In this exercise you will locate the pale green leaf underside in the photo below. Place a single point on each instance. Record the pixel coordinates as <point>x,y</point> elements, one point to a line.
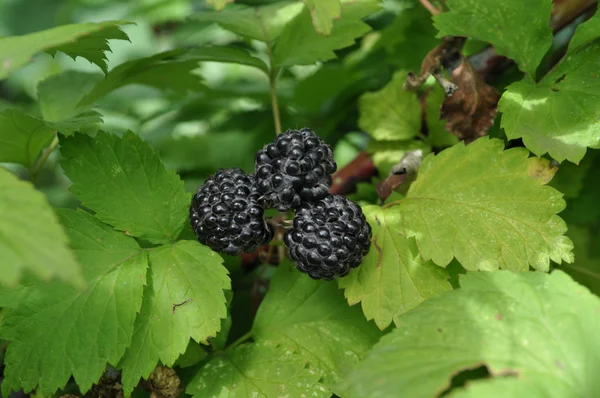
<point>313,317</point>
<point>259,370</point>
<point>300,44</point>
<point>522,324</point>
<point>125,183</point>
<point>393,277</point>
<point>185,273</point>
<point>391,113</point>
<point>560,114</point>
<point>259,23</point>
<point>323,12</point>
<point>218,4</point>
<point>87,40</point>
<point>517,29</point>
<point>57,331</point>
<point>487,208</point>
<point>22,137</point>
<point>31,238</point>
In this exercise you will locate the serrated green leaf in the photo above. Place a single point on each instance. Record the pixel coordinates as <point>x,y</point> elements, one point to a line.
<point>87,40</point>
<point>391,113</point>
<point>586,34</point>
<point>233,55</point>
<point>184,299</point>
<point>125,183</point>
<point>393,277</point>
<point>170,70</point>
<point>258,370</point>
<point>323,12</point>
<point>521,325</point>
<point>313,317</point>
<point>59,96</point>
<point>31,239</point>
<point>218,4</point>
<point>300,44</point>
<point>22,137</point>
<point>259,23</point>
<point>57,331</point>
<point>517,29</point>
<point>559,115</point>
<point>486,207</point>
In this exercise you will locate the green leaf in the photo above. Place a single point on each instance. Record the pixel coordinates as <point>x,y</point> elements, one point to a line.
<point>259,23</point>
<point>125,183</point>
<point>58,331</point>
<point>517,29</point>
<point>586,268</point>
<point>31,239</point>
<point>391,113</point>
<point>170,70</point>
<point>59,96</point>
<point>184,299</point>
<point>218,4</point>
<point>313,317</point>
<point>323,12</point>
<point>87,40</point>
<point>300,44</point>
<point>437,135</point>
<point>567,99</point>
<point>503,387</point>
<point>586,34</point>
<point>260,370</point>
<point>520,325</point>
<point>22,137</point>
<point>570,178</point>
<point>486,207</point>
<point>226,54</point>
<point>393,277</point>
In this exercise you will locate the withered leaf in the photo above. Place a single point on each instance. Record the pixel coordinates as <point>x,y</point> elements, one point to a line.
<point>471,110</point>
<point>386,187</point>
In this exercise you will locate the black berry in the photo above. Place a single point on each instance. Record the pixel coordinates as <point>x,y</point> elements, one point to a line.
<point>297,167</point>
<point>226,214</point>
<point>329,237</point>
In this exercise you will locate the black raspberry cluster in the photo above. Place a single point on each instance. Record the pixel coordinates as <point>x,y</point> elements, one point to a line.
<point>330,234</point>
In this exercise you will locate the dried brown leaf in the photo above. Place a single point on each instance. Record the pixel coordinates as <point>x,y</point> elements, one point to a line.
<point>471,110</point>
<point>386,187</point>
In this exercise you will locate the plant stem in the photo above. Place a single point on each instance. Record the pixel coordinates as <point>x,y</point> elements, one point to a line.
<point>274,101</point>
<point>430,7</point>
<point>38,165</point>
<point>239,341</point>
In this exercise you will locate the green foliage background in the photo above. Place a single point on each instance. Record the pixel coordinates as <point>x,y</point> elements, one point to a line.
<point>113,112</point>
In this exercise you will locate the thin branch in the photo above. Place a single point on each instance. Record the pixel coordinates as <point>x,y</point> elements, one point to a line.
<point>38,165</point>
<point>430,7</point>
<point>239,341</point>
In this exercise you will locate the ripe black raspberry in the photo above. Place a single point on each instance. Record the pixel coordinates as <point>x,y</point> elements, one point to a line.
<point>226,215</point>
<point>329,237</point>
<point>297,167</point>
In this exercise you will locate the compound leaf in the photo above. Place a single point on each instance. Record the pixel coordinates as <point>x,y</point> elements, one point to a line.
<point>323,12</point>
<point>517,29</point>
<point>184,299</point>
<point>487,207</point>
<point>519,325</point>
<point>22,137</point>
<point>123,180</point>
<point>393,277</point>
<point>56,331</point>
<point>313,317</point>
<point>559,115</point>
<point>261,370</point>
<point>300,44</point>
<point>31,239</point>
<point>391,113</point>
<point>88,40</point>
<point>263,23</point>
<point>169,70</point>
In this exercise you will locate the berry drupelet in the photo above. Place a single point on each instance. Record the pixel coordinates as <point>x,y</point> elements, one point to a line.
<point>329,237</point>
<point>296,168</point>
<point>226,214</point>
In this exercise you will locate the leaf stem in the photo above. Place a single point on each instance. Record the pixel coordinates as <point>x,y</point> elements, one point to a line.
<point>38,165</point>
<point>239,341</point>
<point>274,101</point>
